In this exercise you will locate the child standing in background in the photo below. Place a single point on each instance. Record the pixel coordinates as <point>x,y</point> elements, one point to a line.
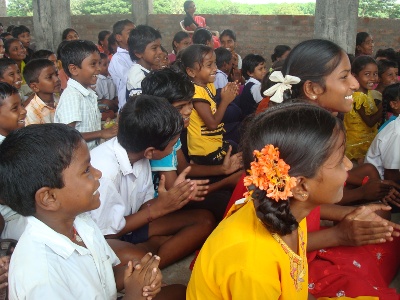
<point>41,76</point>
<point>78,103</point>
<point>205,132</point>
<point>105,88</point>
<point>121,61</point>
<point>362,121</point>
<point>254,69</point>
<point>144,45</point>
<point>180,41</point>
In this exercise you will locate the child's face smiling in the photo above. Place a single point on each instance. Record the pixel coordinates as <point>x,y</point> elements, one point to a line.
<point>390,76</point>
<point>206,72</point>
<point>12,76</point>
<point>227,42</point>
<point>81,182</point>
<point>185,108</point>
<point>186,42</point>
<point>17,51</point>
<point>151,55</point>
<point>339,88</point>
<point>259,71</point>
<point>48,83</point>
<point>367,77</point>
<point>104,67</point>
<point>25,39</point>
<point>327,186</point>
<point>87,73</point>
<point>12,114</point>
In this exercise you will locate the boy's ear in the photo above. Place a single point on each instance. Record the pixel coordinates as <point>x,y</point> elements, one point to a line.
<point>73,69</point>
<point>34,87</point>
<point>312,90</point>
<point>149,152</point>
<point>46,199</point>
<point>138,55</point>
<point>301,190</point>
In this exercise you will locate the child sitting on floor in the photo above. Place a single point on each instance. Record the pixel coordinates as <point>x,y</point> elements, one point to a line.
<point>105,87</point>
<point>129,214</point>
<point>390,104</point>
<point>9,72</point>
<point>23,34</point>
<point>12,116</point>
<point>41,76</point>
<point>253,70</point>
<point>78,103</point>
<point>388,72</point>
<point>62,252</point>
<point>224,65</point>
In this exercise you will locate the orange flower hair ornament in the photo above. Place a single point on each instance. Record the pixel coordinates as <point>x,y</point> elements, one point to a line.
<point>269,173</point>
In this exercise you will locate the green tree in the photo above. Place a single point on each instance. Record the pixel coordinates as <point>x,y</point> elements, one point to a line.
<point>76,7</point>
<point>19,8</point>
<point>376,8</point>
<point>101,7</point>
<point>288,9</point>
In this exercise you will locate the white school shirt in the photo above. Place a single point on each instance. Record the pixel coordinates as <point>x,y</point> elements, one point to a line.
<point>255,89</point>
<point>105,88</point>
<point>123,187</point>
<point>384,152</point>
<point>134,79</point>
<point>119,65</point>
<point>79,104</point>
<point>48,265</point>
<point>221,80</point>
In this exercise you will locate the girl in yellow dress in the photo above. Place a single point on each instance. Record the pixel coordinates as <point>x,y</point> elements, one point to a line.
<point>259,251</point>
<point>361,122</point>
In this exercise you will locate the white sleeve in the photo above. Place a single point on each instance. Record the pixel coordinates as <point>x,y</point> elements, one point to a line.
<point>110,216</point>
<point>102,89</point>
<point>390,152</point>
<point>255,91</point>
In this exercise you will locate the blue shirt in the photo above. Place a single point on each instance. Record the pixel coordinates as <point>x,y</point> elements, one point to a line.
<point>392,118</point>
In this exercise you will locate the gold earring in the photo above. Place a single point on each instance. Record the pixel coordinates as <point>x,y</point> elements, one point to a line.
<point>304,195</point>
<point>314,97</point>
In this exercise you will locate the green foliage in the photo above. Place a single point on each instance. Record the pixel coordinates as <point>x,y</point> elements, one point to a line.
<point>376,8</point>
<point>19,8</point>
<point>101,7</point>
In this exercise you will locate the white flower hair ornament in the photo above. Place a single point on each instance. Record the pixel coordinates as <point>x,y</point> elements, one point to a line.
<point>283,84</point>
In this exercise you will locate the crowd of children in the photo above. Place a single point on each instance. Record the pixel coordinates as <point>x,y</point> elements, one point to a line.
<point>118,159</point>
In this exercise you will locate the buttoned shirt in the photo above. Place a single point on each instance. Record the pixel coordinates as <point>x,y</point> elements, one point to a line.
<point>48,265</point>
<point>79,104</point>
<point>38,112</point>
<point>118,68</point>
<point>105,87</point>
<point>123,187</point>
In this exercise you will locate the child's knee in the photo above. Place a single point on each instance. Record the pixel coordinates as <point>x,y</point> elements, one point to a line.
<point>205,218</point>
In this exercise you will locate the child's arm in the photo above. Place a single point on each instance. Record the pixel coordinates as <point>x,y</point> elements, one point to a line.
<point>391,174</point>
<point>228,94</point>
<point>100,134</point>
<point>370,120</point>
<point>230,164</point>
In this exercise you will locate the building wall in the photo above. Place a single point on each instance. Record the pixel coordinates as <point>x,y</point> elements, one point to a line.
<point>255,34</point>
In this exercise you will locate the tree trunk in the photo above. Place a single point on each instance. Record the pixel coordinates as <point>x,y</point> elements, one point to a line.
<point>141,10</point>
<point>50,18</point>
<point>336,20</point>
<point>3,8</point>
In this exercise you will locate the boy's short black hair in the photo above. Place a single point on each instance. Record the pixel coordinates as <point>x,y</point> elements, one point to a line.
<point>16,31</point>
<point>148,121</point>
<point>33,69</point>
<point>6,90</point>
<point>42,54</point>
<point>5,62</point>
<point>389,53</point>
<point>5,34</point>
<point>60,46</point>
<point>228,32</point>
<point>250,62</point>
<point>74,52</point>
<point>168,84</point>
<point>10,28</point>
<point>384,65</point>
<point>120,25</point>
<point>46,148</point>
<point>140,37</point>
<point>223,55</point>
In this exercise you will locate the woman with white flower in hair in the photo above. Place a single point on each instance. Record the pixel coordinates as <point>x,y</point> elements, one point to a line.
<point>259,251</point>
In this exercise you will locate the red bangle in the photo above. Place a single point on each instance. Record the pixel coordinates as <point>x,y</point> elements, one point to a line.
<point>365,180</point>
<point>149,218</point>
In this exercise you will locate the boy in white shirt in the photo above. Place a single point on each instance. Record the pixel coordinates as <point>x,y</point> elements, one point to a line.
<point>62,253</point>
<point>148,129</point>
<point>78,103</point>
